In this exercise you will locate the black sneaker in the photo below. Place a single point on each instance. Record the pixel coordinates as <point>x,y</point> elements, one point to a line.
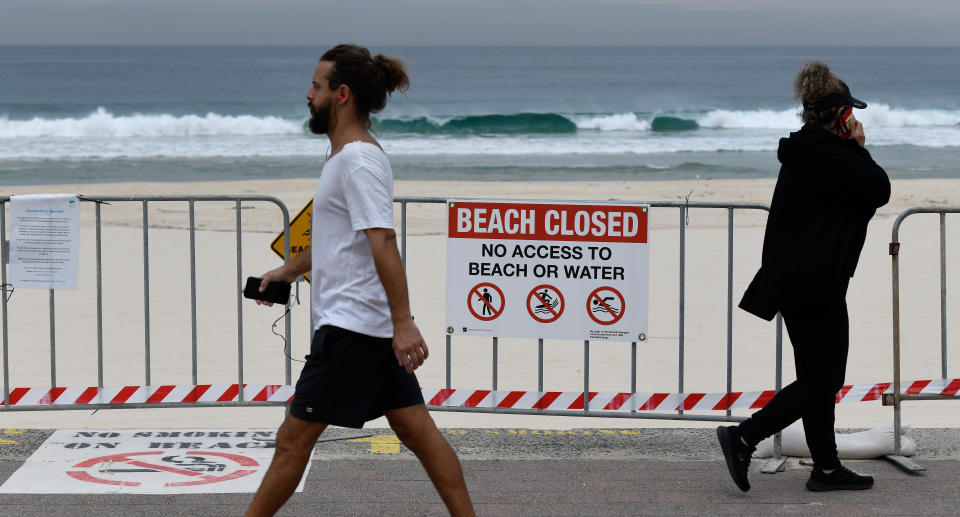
<point>840,479</point>
<point>737,455</point>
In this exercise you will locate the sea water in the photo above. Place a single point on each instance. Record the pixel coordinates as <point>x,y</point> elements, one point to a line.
<point>179,113</point>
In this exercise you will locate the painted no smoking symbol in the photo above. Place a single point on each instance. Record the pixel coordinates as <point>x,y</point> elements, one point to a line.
<point>605,305</point>
<point>136,468</point>
<point>545,303</point>
<point>485,301</point>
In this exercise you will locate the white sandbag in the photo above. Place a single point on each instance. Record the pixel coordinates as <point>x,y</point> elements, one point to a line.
<point>871,443</point>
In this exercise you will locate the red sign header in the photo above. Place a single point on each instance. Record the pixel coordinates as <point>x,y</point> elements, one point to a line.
<point>547,222</point>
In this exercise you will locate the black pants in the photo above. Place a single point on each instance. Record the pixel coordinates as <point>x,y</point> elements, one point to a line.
<point>820,337</point>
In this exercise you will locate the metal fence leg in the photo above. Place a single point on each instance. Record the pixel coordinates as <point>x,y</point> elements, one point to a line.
<point>53,343</point>
<point>774,465</point>
<point>539,365</point>
<point>586,375</point>
<point>240,384</point>
<point>683,256</point>
<point>495,360</point>
<point>193,291</point>
<point>777,463</point>
<point>905,463</point>
<point>897,458</point>
<point>99,300</point>
<point>633,377</point>
<point>943,296</point>
<point>146,295</point>
<point>729,303</point>
<point>448,361</point>
<point>3,305</point>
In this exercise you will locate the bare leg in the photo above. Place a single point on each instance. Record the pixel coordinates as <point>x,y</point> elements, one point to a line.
<point>419,433</point>
<point>295,441</point>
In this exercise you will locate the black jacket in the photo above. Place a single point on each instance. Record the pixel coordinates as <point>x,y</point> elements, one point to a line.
<point>828,189</point>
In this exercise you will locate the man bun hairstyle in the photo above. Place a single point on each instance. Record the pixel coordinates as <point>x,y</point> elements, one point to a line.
<point>393,72</point>
<point>816,81</point>
<point>371,78</point>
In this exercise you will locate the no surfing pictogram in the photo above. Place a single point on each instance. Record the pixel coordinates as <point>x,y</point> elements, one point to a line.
<point>486,301</point>
<point>545,303</point>
<point>605,305</point>
<point>164,468</point>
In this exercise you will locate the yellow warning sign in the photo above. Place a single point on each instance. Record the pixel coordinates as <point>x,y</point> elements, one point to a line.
<point>299,235</point>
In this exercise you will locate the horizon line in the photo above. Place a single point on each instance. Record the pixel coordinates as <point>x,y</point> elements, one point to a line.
<point>482,45</point>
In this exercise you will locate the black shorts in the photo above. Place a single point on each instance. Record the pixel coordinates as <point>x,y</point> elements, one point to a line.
<point>350,378</point>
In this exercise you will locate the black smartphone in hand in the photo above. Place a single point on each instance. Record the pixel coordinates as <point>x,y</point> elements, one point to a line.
<point>276,292</point>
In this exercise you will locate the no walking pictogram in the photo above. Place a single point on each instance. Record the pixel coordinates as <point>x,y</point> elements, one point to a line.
<point>605,305</point>
<point>164,468</point>
<point>485,301</point>
<point>545,303</point>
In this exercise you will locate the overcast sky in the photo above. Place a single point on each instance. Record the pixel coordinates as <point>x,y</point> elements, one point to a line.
<point>482,22</point>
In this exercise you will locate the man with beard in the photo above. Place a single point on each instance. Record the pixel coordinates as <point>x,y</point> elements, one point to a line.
<point>365,345</point>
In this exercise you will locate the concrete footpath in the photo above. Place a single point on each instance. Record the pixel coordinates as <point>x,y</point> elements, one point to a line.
<point>519,472</point>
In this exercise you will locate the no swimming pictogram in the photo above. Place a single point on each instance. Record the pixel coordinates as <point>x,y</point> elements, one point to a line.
<point>605,305</point>
<point>485,301</point>
<point>163,469</point>
<point>545,303</point>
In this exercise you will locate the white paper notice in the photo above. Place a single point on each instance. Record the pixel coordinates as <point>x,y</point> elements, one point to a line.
<point>44,245</point>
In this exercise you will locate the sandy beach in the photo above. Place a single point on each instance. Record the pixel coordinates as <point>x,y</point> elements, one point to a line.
<point>869,301</point>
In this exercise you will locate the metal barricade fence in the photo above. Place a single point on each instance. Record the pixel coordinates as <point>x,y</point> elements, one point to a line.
<point>239,396</point>
<point>928,391</point>
<point>584,409</point>
<point>683,208</point>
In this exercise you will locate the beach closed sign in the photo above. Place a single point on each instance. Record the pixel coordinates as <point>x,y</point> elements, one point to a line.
<point>547,270</point>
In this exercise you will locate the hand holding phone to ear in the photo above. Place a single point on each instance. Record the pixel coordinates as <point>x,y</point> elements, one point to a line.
<point>856,132</point>
<point>845,122</point>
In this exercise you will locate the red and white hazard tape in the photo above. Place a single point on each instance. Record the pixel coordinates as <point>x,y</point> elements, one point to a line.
<point>460,398</point>
<point>166,394</point>
<point>601,401</point>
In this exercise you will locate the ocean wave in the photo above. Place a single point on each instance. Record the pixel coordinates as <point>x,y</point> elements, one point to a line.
<point>469,169</point>
<point>876,116</point>
<point>666,124</point>
<point>750,119</point>
<point>494,124</point>
<point>882,115</point>
<point>103,124</point>
<point>615,122</point>
<point>582,143</point>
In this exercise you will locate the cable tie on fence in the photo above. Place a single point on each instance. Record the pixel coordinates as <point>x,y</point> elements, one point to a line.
<point>81,197</point>
<point>686,209</point>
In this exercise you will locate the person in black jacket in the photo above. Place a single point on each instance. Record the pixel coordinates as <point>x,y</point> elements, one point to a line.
<point>828,189</point>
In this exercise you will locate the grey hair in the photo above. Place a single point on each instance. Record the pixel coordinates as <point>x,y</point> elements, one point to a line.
<point>816,81</point>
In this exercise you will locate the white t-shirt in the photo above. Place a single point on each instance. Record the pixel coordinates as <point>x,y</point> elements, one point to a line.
<point>355,193</point>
